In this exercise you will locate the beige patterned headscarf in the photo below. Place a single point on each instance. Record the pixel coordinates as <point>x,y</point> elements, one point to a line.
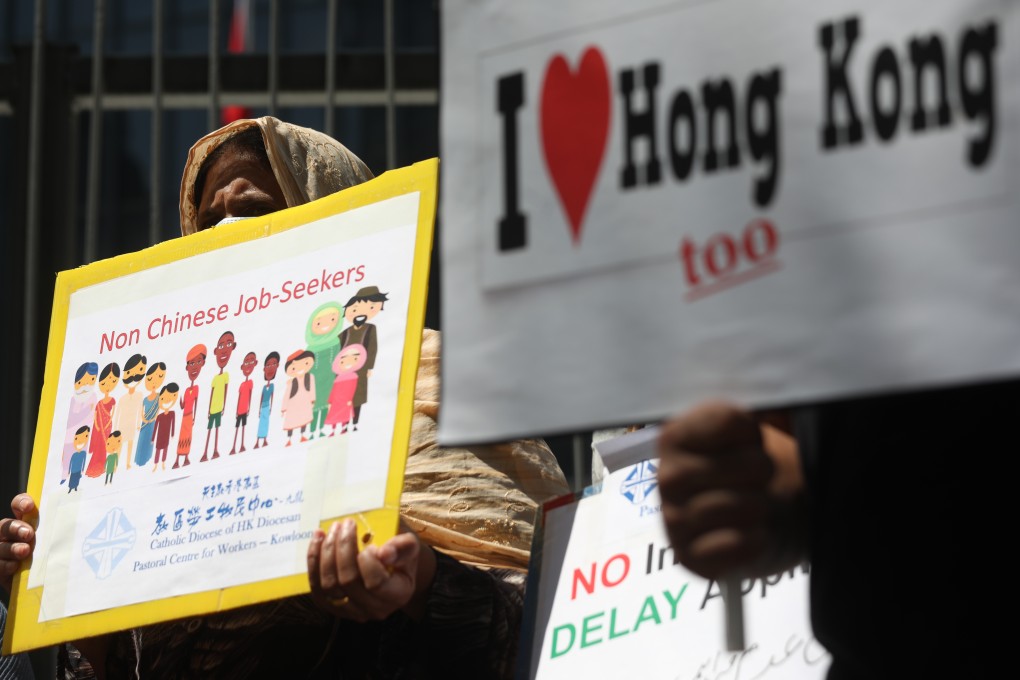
<point>477,503</point>
<point>307,164</point>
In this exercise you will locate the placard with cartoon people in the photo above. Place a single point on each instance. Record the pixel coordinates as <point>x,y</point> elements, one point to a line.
<point>213,399</point>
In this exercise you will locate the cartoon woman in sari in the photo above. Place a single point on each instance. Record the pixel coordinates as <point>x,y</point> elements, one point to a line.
<point>150,409</point>
<point>102,424</point>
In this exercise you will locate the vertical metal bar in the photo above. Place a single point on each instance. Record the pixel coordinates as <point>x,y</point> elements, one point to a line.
<point>330,65</point>
<point>29,382</point>
<point>156,145</point>
<point>95,135</point>
<point>391,108</point>
<point>274,54</point>
<point>213,114</point>
<point>581,474</point>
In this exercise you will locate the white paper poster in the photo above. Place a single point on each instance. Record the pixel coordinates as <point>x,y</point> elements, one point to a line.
<point>226,458</point>
<point>649,203</point>
<point>606,600</point>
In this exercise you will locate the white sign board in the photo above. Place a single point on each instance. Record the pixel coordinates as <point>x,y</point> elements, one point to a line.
<point>773,202</point>
<point>606,600</point>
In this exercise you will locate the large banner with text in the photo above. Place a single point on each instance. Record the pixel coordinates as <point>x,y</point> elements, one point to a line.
<point>211,401</point>
<point>774,202</point>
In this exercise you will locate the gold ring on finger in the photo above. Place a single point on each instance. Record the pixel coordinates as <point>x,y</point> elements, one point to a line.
<point>338,601</point>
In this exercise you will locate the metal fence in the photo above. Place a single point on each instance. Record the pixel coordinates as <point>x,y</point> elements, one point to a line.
<point>70,109</point>
<point>61,102</point>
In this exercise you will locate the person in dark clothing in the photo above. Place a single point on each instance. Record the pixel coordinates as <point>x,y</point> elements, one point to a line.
<point>883,495</point>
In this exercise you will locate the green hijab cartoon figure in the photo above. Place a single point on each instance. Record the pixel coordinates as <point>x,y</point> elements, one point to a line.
<point>321,336</point>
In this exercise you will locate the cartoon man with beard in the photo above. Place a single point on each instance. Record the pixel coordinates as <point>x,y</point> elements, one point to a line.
<point>83,402</point>
<point>358,311</point>
<point>128,415</point>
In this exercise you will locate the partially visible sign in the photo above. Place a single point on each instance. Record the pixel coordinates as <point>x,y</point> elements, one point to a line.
<point>772,202</point>
<point>606,600</point>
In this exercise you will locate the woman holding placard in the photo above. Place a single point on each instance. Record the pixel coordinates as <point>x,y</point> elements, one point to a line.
<point>441,599</point>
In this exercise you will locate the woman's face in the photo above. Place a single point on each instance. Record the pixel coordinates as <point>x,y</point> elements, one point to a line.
<point>107,384</point>
<point>325,321</point>
<point>300,367</point>
<point>237,185</point>
<point>349,361</point>
<point>154,380</point>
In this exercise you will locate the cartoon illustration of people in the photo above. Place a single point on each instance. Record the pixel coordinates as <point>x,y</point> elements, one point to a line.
<point>218,399</point>
<point>269,368</point>
<point>102,423</point>
<point>165,422</point>
<point>150,409</point>
<point>77,462</point>
<point>113,444</point>
<point>321,336</point>
<point>359,310</point>
<point>341,396</point>
<point>299,397</point>
<point>128,414</point>
<point>248,365</point>
<point>195,362</point>
<point>83,403</point>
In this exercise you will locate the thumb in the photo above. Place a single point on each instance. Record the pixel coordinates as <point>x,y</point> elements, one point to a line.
<point>400,551</point>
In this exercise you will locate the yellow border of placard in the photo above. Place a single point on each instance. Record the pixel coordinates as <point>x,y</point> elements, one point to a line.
<point>24,631</point>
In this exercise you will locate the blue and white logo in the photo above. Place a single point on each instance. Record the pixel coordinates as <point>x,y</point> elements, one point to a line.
<point>108,543</point>
<point>640,483</point>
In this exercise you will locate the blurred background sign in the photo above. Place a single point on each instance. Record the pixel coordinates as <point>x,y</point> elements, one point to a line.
<point>647,204</point>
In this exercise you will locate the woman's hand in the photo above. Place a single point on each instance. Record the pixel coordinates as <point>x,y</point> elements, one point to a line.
<point>372,584</point>
<point>17,538</point>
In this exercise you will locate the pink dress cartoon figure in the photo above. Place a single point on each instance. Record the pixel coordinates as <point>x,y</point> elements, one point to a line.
<point>299,394</point>
<point>341,398</point>
<point>102,424</point>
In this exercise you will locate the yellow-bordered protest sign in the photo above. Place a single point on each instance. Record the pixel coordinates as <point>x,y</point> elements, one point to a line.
<point>210,401</point>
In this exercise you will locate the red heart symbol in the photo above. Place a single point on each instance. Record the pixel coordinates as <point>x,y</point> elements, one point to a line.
<point>575,111</point>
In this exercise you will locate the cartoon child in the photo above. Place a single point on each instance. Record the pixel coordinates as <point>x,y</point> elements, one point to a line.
<point>77,463</point>
<point>248,365</point>
<point>195,362</point>
<point>128,414</point>
<point>269,368</point>
<point>102,423</point>
<point>165,422</point>
<point>150,409</point>
<point>358,311</point>
<point>218,399</point>
<point>299,397</point>
<point>321,336</point>
<point>112,454</point>
<point>83,403</point>
<point>341,396</point>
